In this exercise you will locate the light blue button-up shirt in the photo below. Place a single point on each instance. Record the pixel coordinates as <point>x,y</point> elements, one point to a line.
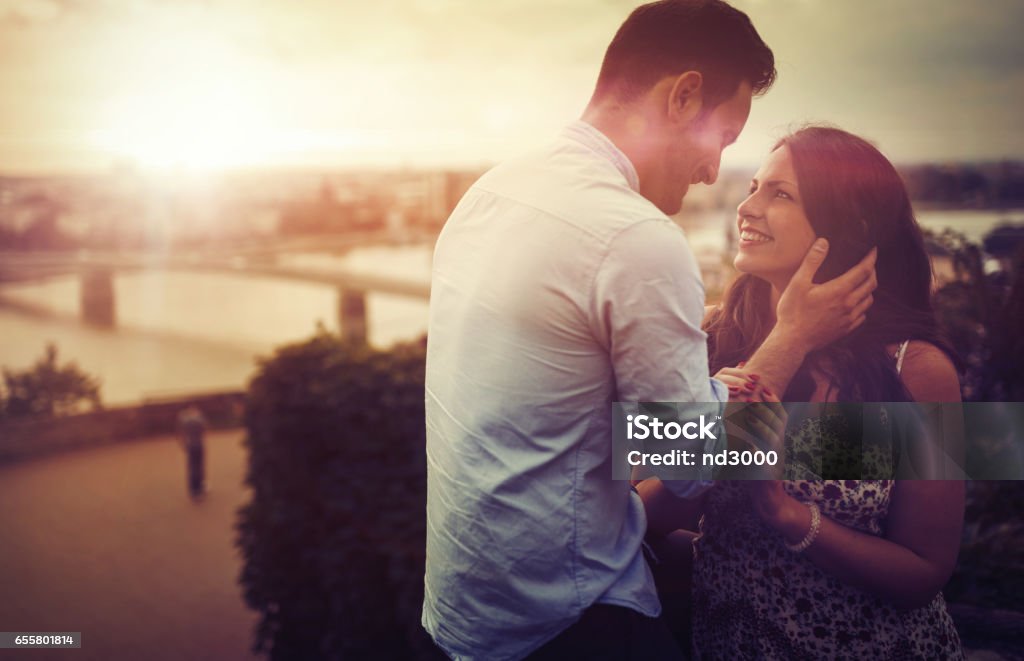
<point>557,289</point>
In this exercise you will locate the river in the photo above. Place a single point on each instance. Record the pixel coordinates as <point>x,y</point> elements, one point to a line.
<point>180,333</point>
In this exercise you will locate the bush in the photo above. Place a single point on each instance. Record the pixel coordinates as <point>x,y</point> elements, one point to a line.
<point>982,312</point>
<point>48,389</point>
<point>990,569</point>
<point>334,536</point>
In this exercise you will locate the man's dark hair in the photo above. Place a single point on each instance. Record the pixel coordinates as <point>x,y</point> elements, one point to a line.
<point>673,36</point>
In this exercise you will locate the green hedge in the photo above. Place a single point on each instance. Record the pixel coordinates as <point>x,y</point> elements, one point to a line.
<point>990,568</point>
<point>334,537</point>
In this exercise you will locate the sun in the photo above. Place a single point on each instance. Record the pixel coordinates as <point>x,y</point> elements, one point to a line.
<point>186,128</point>
<point>188,101</point>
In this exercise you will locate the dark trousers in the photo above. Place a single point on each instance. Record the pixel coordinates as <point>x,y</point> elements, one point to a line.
<point>673,577</point>
<point>612,633</point>
<point>196,476</point>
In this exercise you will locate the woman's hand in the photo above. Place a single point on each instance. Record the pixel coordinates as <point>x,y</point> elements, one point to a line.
<point>744,386</point>
<point>779,510</point>
<point>759,423</point>
<point>762,426</point>
<point>769,500</point>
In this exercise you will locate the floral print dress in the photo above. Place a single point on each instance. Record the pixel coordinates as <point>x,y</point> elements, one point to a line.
<point>755,599</point>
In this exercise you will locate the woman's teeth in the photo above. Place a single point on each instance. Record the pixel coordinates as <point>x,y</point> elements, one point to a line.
<point>756,237</point>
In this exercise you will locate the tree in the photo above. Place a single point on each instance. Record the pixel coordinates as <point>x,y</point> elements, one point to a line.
<point>333,539</point>
<point>982,312</point>
<point>49,389</point>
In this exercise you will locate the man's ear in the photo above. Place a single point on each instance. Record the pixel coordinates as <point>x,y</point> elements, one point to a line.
<point>686,98</point>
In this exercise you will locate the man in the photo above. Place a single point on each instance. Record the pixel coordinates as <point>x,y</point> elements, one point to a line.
<point>192,426</point>
<point>560,285</point>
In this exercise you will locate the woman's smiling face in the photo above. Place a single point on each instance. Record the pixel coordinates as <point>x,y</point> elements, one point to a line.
<point>775,234</point>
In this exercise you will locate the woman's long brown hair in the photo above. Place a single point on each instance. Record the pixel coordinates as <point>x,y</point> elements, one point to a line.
<point>853,197</point>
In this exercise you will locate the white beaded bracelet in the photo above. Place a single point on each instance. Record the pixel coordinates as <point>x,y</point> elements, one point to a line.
<point>812,534</point>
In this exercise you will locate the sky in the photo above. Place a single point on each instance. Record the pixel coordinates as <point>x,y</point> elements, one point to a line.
<point>87,84</point>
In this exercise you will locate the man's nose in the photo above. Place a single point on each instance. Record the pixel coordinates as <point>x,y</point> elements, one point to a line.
<point>707,175</point>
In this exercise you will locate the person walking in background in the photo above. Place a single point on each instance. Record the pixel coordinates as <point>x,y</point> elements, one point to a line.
<point>192,426</point>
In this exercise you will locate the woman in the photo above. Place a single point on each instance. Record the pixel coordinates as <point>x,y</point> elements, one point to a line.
<point>830,568</point>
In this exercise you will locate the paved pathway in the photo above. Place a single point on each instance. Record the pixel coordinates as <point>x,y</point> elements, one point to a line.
<point>107,542</point>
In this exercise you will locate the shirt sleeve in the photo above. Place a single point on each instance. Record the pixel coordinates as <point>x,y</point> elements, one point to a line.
<point>648,303</point>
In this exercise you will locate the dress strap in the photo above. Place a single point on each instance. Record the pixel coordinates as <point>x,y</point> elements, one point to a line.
<point>899,355</point>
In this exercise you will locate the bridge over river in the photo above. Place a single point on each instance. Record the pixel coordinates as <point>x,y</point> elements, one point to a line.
<point>97,271</point>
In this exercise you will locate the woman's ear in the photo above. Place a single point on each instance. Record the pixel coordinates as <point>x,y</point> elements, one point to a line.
<point>686,98</point>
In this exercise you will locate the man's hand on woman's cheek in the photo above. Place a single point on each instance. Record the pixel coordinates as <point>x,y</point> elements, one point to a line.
<point>815,315</point>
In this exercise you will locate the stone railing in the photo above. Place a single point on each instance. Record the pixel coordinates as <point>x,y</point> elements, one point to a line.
<point>23,438</point>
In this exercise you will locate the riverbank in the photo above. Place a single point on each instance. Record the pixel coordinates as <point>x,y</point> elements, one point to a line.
<point>27,438</point>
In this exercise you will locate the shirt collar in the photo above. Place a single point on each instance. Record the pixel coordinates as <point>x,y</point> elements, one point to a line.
<point>589,136</point>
